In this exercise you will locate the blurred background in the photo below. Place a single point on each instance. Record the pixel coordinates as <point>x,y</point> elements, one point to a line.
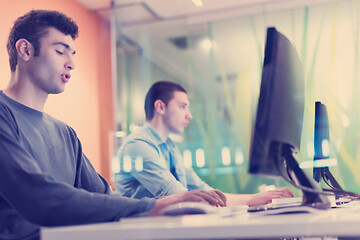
<point>215,50</point>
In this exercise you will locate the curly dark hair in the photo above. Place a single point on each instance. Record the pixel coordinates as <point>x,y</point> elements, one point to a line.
<point>33,26</point>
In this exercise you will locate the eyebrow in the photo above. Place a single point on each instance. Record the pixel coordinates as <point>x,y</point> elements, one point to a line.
<point>65,45</point>
<point>184,103</point>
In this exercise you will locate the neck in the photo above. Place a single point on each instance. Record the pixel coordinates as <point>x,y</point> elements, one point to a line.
<point>160,128</point>
<point>21,91</point>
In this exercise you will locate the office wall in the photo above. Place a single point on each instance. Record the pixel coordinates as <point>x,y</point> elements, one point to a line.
<point>86,104</point>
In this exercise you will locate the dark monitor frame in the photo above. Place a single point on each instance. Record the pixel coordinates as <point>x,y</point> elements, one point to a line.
<point>277,133</point>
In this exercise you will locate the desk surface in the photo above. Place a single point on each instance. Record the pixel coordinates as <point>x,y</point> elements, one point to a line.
<point>344,221</point>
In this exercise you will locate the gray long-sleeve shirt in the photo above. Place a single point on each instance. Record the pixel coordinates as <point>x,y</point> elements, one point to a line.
<point>46,180</point>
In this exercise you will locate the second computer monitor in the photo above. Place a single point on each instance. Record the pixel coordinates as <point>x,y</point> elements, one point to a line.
<point>322,147</point>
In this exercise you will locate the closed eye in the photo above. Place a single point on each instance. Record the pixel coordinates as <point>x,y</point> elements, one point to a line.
<point>58,52</point>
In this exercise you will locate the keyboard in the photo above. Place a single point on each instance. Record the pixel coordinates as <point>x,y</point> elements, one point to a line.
<point>290,205</point>
<point>281,202</point>
<point>269,210</point>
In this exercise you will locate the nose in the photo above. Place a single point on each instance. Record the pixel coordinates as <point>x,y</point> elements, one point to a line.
<point>69,65</point>
<point>189,115</point>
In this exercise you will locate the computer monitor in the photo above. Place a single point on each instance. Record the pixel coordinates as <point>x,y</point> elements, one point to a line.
<point>277,133</point>
<point>322,147</point>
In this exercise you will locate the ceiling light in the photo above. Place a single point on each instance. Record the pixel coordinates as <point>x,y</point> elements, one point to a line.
<point>206,44</point>
<point>198,3</point>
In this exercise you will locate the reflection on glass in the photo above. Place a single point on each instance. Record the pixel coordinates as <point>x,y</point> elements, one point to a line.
<point>239,157</point>
<point>187,158</point>
<point>115,165</point>
<point>127,164</point>
<point>200,158</point>
<point>225,156</point>
<point>139,165</point>
<point>325,147</point>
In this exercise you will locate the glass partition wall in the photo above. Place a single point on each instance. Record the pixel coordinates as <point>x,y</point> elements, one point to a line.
<point>219,63</point>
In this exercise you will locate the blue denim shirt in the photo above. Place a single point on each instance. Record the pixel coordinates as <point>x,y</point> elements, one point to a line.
<point>155,178</point>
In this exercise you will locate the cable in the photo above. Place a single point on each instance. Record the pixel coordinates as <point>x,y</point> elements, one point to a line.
<point>290,180</point>
<point>333,190</point>
<point>343,193</point>
<point>329,184</point>
<point>280,158</point>
<point>306,189</point>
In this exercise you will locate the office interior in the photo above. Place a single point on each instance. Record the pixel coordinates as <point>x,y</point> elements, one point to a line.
<point>218,56</point>
<point>216,52</point>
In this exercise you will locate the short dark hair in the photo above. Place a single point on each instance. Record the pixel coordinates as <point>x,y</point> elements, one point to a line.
<point>161,90</point>
<point>33,26</point>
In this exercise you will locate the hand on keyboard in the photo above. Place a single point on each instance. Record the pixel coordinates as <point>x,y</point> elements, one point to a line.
<point>266,197</point>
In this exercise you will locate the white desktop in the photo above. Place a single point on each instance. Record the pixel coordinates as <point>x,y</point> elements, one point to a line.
<point>341,221</point>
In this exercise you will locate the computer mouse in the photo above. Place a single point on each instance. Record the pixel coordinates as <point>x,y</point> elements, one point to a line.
<point>188,208</point>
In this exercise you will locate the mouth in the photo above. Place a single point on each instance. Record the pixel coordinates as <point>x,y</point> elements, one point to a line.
<point>65,77</point>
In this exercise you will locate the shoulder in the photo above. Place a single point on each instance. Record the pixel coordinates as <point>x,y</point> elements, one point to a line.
<point>143,134</point>
<point>61,126</point>
<point>4,108</point>
<point>139,141</point>
<point>7,115</point>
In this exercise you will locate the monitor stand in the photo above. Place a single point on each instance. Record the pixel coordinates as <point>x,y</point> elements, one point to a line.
<point>328,178</point>
<point>311,197</point>
<point>313,200</point>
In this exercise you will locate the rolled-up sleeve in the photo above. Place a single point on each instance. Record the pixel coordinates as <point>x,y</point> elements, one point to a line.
<point>194,182</point>
<point>153,174</point>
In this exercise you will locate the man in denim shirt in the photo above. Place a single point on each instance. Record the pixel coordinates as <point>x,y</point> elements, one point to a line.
<point>154,163</point>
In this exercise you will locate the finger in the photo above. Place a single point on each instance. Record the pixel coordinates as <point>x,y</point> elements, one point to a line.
<point>220,202</point>
<point>287,191</point>
<point>212,199</point>
<point>191,196</point>
<point>284,192</point>
<point>280,195</point>
<point>195,198</point>
<point>221,195</point>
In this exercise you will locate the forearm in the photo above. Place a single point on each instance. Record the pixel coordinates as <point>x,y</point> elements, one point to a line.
<point>258,198</point>
<point>237,199</point>
<point>209,197</point>
<point>52,202</point>
<point>55,204</point>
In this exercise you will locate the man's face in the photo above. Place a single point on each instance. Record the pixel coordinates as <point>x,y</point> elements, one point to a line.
<point>50,71</point>
<point>177,113</point>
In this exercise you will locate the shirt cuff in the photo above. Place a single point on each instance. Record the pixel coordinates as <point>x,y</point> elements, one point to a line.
<point>171,188</point>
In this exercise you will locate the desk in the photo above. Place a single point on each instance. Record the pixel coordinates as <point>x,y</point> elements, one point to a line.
<point>344,221</point>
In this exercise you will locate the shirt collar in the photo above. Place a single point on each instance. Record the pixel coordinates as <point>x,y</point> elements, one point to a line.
<point>157,137</point>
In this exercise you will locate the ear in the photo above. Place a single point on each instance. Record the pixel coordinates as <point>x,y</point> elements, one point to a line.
<point>159,106</point>
<point>24,49</point>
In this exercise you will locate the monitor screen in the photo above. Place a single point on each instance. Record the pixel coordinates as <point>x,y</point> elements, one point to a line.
<point>322,147</point>
<point>277,131</point>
